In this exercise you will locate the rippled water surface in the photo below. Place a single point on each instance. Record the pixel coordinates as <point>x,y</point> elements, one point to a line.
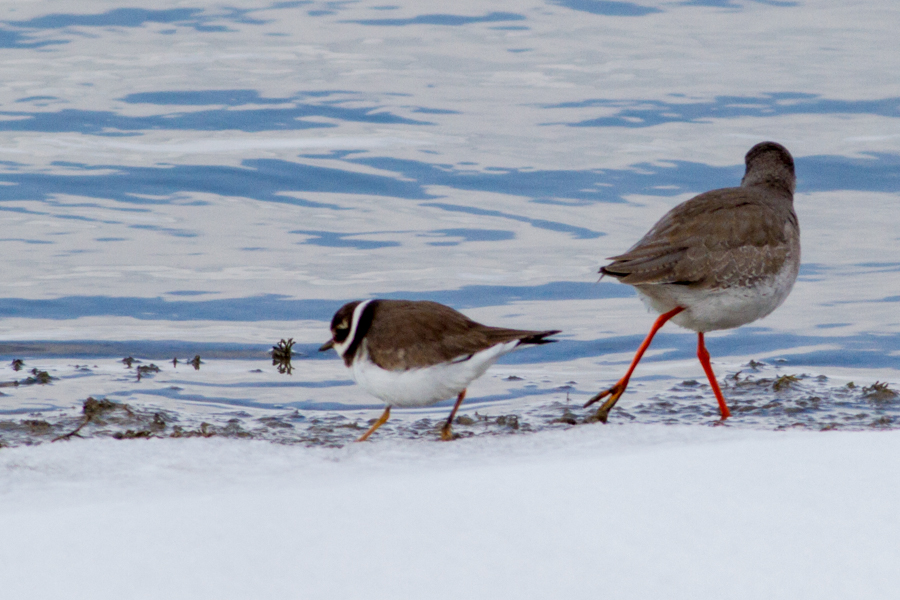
<point>205,180</point>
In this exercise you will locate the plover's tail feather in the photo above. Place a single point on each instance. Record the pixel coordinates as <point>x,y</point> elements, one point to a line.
<point>539,337</point>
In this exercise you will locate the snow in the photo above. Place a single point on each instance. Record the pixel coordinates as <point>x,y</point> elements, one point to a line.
<point>618,511</point>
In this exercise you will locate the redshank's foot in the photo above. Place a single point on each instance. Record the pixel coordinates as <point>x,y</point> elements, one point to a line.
<point>447,434</point>
<point>602,413</point>
<point>614,393</point>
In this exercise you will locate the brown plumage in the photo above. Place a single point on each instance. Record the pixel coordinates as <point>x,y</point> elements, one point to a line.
<point>410,334</point>
<point>406,334</point>
<point>724,238</point>
<point>416,353</point>
<point>719,260</point>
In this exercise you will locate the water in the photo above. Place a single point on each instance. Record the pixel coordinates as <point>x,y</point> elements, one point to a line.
<point>199,180</point>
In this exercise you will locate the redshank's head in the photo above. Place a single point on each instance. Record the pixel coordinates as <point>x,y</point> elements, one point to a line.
<point>771,165</point>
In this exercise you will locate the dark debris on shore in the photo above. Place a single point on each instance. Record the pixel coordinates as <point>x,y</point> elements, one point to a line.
<point>759,396</point>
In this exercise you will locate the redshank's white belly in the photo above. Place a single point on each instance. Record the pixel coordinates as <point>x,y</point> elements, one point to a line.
<point>711,309</point>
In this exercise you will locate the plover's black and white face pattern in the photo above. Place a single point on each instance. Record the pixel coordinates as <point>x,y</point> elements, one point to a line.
<point>410,353</point>
<point>719,260</point>
<point>345,332</point>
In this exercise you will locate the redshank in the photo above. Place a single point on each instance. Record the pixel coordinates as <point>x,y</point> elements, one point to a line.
<point>720,260</point>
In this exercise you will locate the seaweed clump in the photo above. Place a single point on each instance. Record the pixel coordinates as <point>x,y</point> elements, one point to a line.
<point>879,392</point>
<point>145,370</point>
<point>281,356</point>
<point>92,411</point>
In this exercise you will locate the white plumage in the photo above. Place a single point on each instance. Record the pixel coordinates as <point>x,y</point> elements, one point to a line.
<point>409,353</point>
<point>425,385</point>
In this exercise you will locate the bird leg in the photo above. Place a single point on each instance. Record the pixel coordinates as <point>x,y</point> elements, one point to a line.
<point>446,432</point>
<point>703,355</point>
<point>618,389</point>
<point>381,421</point>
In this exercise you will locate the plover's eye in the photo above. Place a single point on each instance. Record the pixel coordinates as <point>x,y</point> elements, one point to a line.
<point>341,333</point>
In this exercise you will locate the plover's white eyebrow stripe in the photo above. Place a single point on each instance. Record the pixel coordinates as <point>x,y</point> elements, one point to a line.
<point>354,323</point>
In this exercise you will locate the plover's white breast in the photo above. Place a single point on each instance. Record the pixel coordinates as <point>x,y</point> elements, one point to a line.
<point>425,385</point>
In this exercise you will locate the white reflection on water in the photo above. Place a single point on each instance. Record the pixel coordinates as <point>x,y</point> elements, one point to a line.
<point>196,179</point>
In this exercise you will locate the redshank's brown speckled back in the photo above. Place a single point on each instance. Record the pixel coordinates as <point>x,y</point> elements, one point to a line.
<point>719,260</point>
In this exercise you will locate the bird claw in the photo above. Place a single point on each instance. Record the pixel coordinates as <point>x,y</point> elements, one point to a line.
<point>600,416</point>
<point>598,396</point>
<point>614,393</point>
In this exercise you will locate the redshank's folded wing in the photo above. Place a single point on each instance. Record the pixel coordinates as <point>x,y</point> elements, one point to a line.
<point>726,235</point>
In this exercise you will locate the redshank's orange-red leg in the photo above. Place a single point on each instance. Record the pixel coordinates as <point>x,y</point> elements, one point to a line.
<point>616,391</point>
<point>446,432</point>
<point>381,421</point>
<point>703,355</point>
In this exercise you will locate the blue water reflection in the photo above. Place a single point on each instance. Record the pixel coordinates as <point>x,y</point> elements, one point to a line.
<point>18,39</point>
<point>735,3</point>
<point>254,308</point>
<point>468,235</point>
<point>442,19</point>
<point>331,239</point>
<point>262,179</point>
<point>634,113</point>
<point>196,18</point>
<point>290,118</point>
<point>648,113</point>
<point>862,351</point>
<point>576,232</point>
<point>269,179</point>
<point>877,172</point>
<point>158,350</point>
<point>273,307</point>
<point>608,7</point>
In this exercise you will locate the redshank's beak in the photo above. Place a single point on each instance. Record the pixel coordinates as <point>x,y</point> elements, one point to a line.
<point>327,346</point>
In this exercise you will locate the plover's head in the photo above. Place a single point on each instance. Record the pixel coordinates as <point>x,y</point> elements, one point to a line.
<point>343,327</point>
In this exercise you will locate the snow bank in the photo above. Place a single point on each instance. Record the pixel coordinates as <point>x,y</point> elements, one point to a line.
<point>593,512</point>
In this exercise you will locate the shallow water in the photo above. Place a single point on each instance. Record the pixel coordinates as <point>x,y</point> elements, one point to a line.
<point>199,180</point>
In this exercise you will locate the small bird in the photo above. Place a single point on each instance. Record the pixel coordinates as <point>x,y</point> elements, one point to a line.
<point>717,261</point>
<point>416,353</point>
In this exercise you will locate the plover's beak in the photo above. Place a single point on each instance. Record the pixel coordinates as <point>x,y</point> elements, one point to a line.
<point>327,346</point>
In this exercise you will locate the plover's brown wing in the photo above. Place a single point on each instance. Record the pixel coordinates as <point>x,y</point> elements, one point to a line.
<point>407,334</point>
<point>724,237</point>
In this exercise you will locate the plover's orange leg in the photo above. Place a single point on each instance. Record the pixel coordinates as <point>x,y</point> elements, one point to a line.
<point>703,355</point>
<point>446,432</point>
<point>381,421</point>
<point>619,388</point>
